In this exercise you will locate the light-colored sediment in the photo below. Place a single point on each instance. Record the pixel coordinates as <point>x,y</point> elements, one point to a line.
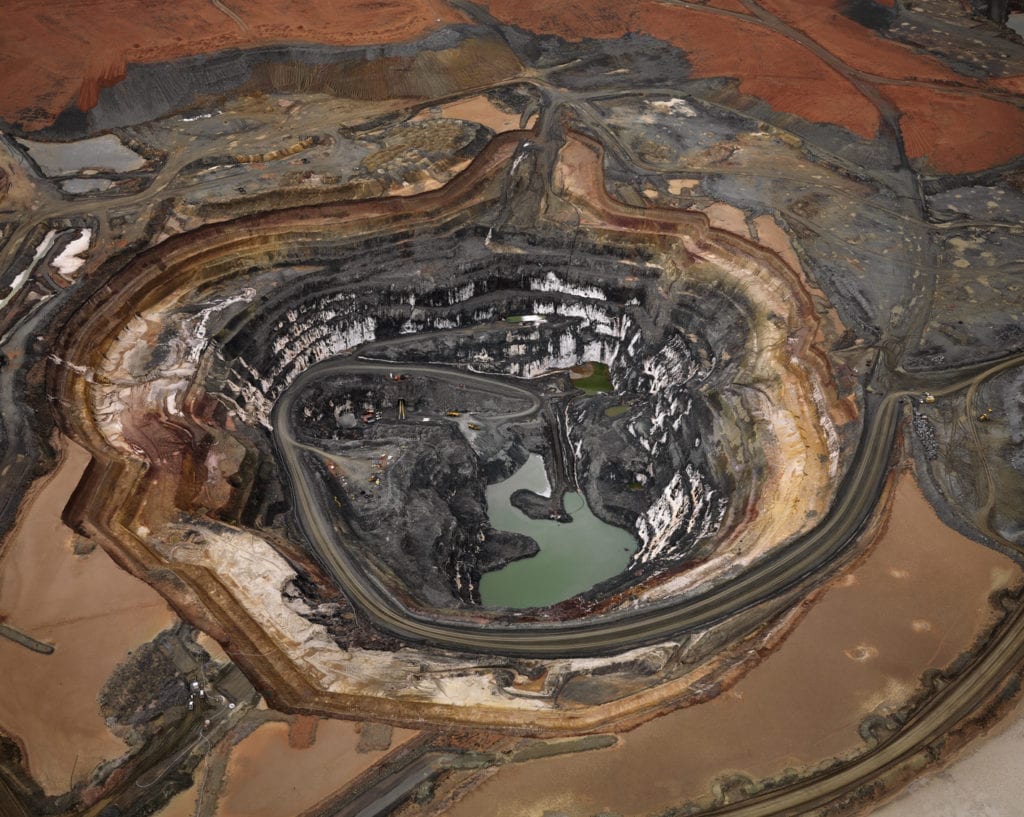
<point>677,186</point>
<point>266,777</point>
<point>454,689</point>
<point>919,599</point>
<point>772,236</point>
<point>90,610</point>
<point>984,782</point>
<point>725,217</point>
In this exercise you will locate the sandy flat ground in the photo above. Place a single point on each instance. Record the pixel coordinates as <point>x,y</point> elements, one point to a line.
<point>478,109</point>
<point>915,602</point>
<point>267,777</point>
<point>90,610</point>
<point>984,783</point>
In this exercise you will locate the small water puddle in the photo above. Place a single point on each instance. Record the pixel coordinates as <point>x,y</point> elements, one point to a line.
<point>573,556</point>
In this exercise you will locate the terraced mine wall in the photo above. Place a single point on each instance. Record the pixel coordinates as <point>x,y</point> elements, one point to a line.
<point>444,300</point>
<point>714,354</point>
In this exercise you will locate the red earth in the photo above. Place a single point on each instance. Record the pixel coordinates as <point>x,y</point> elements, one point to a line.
<point>53,55</point>
<point>774,58</point>
<point>802,59</point>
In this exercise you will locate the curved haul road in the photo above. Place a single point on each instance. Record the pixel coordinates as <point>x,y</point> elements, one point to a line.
<point>600,634</point>
<point>910,747</point>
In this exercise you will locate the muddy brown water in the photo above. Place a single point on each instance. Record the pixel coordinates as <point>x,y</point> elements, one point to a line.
<point>90,610</point>
<point>266,777</point>
<point>917,601</point>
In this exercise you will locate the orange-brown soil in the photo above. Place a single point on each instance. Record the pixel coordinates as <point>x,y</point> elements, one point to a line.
<point>302,732</point>
<point>792,79</point>
<point>90,610</point>
<point>49,62</point>
<point>857,46</point>
<point>1014,85</point>
<point>50,59</point>
<point>267,777</point>
<point>476,109</point>
<point>768,65</point>
<point>917,601</point>
<point>785,75</point>
<point>958,133</point>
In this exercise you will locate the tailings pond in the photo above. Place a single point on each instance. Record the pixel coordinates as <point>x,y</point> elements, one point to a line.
<point>574,556</point>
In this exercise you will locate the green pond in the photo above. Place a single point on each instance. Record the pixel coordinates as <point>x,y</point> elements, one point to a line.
<point>573,556</point>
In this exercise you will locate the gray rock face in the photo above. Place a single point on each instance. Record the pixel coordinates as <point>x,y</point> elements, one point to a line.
<point>423,518</point>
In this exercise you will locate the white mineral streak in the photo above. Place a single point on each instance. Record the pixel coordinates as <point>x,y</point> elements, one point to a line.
<point>302,341</point>
<point>332,327</point>
<point>463,293</point>
<point>552,283</point>
<point>686,508</point>
<point>681,509</point>
<point>199,116</point>
<point>256,577</point>
<point>792,426</point>
<point>828,428</point>
<point>19,280</point>
<point>563,351</point>
<point>592,315</point>
<point>126,378</point>
<point>68,262</point>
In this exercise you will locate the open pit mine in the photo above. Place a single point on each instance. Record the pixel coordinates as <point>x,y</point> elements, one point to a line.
<point>463,408</point>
